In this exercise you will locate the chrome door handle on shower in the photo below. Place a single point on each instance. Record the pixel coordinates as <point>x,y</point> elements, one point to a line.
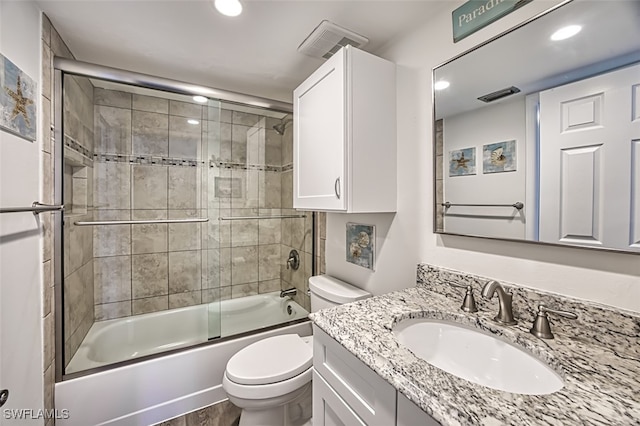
<point>336,187</point>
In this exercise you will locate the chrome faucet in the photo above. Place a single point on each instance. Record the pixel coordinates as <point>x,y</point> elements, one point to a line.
<point>289,292</point>
<point>505,312</point>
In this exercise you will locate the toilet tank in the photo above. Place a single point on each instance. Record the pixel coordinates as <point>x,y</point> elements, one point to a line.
<point>327,291</point>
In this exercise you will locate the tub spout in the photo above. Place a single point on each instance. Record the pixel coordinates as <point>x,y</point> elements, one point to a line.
<point>289,292</point>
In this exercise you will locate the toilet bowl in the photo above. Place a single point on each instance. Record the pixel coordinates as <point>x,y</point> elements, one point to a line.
<point>270,380</point>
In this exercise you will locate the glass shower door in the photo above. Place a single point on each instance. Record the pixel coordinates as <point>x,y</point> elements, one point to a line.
<point>135,242</point>
<point>211,240</point>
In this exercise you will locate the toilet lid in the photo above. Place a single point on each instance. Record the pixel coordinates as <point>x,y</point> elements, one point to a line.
<point>270,360</point>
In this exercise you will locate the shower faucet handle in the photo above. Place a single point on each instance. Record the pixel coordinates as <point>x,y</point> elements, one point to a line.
<point>469,302</point>
<point>293,261</point>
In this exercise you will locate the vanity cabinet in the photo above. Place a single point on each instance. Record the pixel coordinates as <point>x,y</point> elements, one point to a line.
<point>409,414</point>
<point>344,140</point>
<point>347,392</point>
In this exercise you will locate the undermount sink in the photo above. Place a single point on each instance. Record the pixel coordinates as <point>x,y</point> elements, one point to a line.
<point>477,356</point>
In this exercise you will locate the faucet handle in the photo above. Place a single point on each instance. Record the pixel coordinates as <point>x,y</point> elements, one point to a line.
<point>469,302</point>
<point>541,327</point>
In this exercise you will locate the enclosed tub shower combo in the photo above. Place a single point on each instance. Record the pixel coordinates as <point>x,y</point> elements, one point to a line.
<point>178,239</point>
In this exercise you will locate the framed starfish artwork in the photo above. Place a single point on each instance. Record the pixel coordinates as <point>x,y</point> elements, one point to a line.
<point>18,108</point>
<point>462,162</point>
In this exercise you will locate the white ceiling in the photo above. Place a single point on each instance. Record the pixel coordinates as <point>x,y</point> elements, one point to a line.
<point>528,59</point>
<point>254,53</point>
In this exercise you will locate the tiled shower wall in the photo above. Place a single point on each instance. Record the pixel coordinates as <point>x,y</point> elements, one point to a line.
<point>255,172</point>
<point>296,233</point>
<point>78,200</point>
<point>53,45</point>
<point>148,165</point>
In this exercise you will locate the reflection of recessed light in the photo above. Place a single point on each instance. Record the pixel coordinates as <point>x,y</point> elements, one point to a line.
<point>200,99</point>
<point>192,121</point>
<point>441,85</point>
<point>566,32</point>
<point>229,7</point>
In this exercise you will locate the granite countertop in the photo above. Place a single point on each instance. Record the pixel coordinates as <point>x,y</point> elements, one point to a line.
<point>601,383</point>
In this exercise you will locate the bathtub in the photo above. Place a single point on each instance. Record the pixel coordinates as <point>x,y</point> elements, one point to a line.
<point>158,389</point>
<point>126,338</point>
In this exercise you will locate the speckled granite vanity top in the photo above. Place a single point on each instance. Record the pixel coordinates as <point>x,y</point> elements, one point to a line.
<point>598,355</point>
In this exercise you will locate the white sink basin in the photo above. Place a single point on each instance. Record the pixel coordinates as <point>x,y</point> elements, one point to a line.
<point>478,357</point>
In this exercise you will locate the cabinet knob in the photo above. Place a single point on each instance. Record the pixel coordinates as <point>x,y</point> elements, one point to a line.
<point>336,187</point>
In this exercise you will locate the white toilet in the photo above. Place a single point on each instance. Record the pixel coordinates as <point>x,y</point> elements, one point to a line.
<point>271,379</point>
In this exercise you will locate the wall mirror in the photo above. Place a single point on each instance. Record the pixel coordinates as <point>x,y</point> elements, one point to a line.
<point>537,132</point>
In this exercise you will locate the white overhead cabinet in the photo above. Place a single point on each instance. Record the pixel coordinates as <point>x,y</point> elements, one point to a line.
<point>344,143</point>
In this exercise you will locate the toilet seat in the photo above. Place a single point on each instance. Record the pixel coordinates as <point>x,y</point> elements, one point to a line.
<point>270,360</point>
<point>268,391</point>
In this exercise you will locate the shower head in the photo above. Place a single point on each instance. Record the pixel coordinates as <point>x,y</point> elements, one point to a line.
<point>279,128</point>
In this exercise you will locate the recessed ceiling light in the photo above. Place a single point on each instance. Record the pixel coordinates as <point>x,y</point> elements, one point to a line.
<point>192,121</point>
<point>441,85</point>
<point>566,32</point>
<point>201,99</point>
<point>229,7</point>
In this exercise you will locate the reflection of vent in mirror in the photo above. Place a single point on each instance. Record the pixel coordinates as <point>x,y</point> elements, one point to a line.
<point>499,94</point>
<point>327,38</point>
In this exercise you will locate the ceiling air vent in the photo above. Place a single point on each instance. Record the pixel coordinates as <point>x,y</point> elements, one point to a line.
<point>328,38</point>
<point>499,94</point>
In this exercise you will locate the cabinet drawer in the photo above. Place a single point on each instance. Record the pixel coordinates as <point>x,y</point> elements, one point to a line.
<point>368,395</point>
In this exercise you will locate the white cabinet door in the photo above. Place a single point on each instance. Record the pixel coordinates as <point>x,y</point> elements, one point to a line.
<point>589,141</point>
<point>329,409</point>
<point>409,414</point>
<point>344,137</point>
<point>319,137</point>
<point>367,394</point>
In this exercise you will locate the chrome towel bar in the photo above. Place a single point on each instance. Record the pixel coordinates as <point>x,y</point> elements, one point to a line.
<point>139,222</point>
<point>517,205</point>
<point>36,208</point>
<point>285,216</point>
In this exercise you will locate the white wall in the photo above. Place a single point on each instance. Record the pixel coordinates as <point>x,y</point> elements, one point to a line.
<point>498,122</point>
<point>609,278</point>
<point>20,277</point>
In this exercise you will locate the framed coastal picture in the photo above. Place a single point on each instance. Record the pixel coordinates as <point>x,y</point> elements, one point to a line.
<point>462,162</point>
<point>499,157</point>
<point>18,108</point>
<point>360,244</point>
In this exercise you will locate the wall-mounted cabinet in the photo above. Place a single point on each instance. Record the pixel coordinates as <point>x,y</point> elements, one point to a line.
<point>344,142</point>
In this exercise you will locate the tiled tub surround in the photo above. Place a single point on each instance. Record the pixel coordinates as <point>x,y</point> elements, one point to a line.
<point>152,164</point>
<point>148,165</point>
<point>597,355</point>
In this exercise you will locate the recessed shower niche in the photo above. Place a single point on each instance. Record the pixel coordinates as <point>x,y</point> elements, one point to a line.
<point>76,191</point>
